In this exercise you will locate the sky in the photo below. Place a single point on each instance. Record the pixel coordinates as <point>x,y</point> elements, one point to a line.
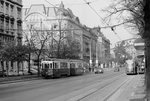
<point>87,16</point>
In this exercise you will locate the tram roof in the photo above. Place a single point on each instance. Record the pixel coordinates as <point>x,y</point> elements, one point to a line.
<point>54,59</point>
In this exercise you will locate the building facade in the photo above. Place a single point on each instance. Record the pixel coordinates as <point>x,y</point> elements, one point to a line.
<point>11,20</point>
<point>60,19</point>
<point>102,47</point>
<point>10,26</point>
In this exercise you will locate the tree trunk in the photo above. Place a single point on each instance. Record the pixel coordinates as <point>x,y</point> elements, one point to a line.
<point>146,36</point>
<point>38,66</point>
<point>18,66</point>
<point>147,64</point>
<point>29,65</point>
<point>2,65</point>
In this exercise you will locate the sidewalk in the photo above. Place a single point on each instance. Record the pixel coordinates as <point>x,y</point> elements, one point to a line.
<point>13,79</point>
<point>140,91</point>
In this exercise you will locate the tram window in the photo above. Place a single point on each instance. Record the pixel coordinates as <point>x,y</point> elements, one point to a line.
<point>46,66</point>
<point>79,65</point>
<point>63,65</point>
<point>55,65</point>
<point>50,65</point>
<point>72,65</point>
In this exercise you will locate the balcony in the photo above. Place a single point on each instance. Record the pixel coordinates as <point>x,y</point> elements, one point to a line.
<point>19,34</point>
<point>2,14</point>
<point>7,15</point>
<point>19,19</point>
<point>12,17</point>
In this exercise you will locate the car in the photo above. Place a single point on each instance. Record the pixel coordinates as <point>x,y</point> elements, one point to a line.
<point>26,72</point>
<point>23,72</point>
<point>116,69</point>
<point>98,70</point>
<point>33,71</point>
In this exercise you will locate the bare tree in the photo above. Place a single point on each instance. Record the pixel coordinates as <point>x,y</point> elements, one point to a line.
<point>138,19</point>
<point>128,13</point>
<point>37,40</point>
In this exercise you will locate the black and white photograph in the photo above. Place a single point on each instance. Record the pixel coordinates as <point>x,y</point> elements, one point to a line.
<point>74,50</point>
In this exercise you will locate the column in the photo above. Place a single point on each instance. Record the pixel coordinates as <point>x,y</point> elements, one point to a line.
<point>82,45</point>
<point>9,66</point>
<point>97,54</point>
<point>90,46</point>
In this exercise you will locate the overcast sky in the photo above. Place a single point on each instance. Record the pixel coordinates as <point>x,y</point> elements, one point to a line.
<point>86,15</point>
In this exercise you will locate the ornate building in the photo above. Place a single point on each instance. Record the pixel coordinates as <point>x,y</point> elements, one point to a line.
<point>61,19</point>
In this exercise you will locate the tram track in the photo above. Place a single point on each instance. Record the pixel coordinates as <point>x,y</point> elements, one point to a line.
<point>81,93</point>
<point>107,97</point>
<point>58,88</point>
<point>44,83</point>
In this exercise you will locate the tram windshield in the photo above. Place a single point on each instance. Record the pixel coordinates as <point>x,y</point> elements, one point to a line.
<point>129,63</point>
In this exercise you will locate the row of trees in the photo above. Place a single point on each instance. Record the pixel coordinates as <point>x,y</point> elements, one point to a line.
<point>38,45</point>
<point>121,55</point>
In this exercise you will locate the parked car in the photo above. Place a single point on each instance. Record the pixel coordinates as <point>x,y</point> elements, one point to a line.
<point>33,71</point>
<point>116,69</point>
<point>23,72</point>
<point>98,70</point>
<point>26,72</point>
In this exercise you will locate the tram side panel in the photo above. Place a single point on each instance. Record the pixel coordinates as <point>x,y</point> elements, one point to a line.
<point>76,68</point>
<point>64,69</point>
<point>141,69</point>
<point>80,69</point>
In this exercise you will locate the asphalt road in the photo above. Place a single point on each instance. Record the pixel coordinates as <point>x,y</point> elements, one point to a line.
<point>89,87</point>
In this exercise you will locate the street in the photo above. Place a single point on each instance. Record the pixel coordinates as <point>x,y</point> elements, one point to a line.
<point>109,86</point>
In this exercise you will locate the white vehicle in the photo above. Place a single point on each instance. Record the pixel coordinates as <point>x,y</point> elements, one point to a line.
<point>130,67</point>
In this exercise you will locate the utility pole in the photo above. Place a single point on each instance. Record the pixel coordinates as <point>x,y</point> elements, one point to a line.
<point>90,53</point>
<point>146,36</point>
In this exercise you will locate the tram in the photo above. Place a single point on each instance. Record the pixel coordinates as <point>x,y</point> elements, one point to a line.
<point>76,67</point>
<point>55,68</point>
<point>61,67</point>
<point>131,67</point>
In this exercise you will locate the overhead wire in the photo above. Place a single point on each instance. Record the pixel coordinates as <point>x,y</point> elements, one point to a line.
<point>112,27</point>
<point>88,3</point>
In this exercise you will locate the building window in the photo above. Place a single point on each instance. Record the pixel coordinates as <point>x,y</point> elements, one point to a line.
<point>7,8</point>
<point>7,24</point>
<point>19,12</point>
<point>12,25</point>
<point>19,26</point>
<point>1,6</point>
<point>1,23</point>
<point>12,9</point>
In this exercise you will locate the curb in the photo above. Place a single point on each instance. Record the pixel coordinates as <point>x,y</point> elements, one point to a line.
<point>15,80</point>
<point>140,91</point>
